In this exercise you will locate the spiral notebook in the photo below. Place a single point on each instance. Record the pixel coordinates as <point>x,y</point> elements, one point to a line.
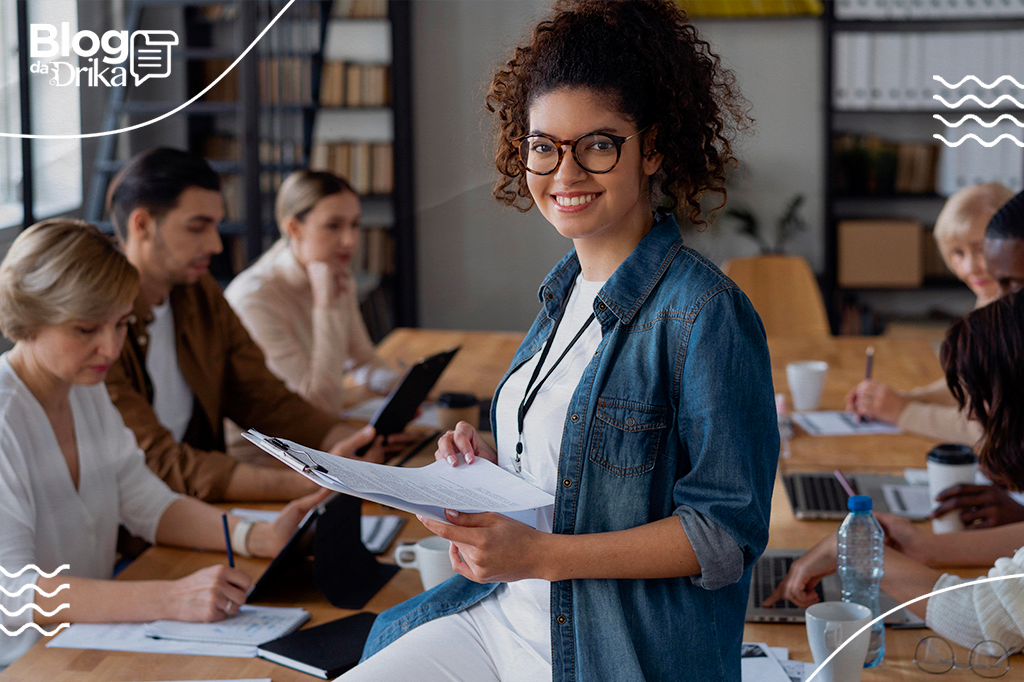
<point>252,626</point>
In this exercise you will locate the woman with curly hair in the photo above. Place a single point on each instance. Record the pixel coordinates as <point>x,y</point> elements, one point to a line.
<point>641,397</point>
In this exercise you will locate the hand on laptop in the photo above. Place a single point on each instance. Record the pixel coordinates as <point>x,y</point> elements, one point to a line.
<point>981,506</point>
<point>875,400</point>
<point>805,573</point>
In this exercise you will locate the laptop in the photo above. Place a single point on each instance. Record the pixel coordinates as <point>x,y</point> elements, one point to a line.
<point>773,566</point>
<point>819,495</point>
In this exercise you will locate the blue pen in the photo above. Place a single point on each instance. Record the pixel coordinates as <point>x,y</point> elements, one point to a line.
<point>227,541</point>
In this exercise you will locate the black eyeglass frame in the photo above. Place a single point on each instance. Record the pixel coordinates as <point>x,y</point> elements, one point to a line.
<point>617,140</point>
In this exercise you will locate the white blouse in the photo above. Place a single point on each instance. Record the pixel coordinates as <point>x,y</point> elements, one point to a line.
<point>44,520</point>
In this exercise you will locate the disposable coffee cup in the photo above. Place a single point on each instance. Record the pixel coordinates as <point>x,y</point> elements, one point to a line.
<point>453,408</point>
<point>829,625</point>
<point>949,464</point>
<point>430,557</point>
<point>806,382</point>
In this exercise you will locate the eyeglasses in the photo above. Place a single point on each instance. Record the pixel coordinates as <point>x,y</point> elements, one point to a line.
<point>987,659</point>
<point>594,152</point>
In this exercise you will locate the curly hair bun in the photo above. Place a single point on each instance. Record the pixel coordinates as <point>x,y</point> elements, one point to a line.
<point>649,61</point>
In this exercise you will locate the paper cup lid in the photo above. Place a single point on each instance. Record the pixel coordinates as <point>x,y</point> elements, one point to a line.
<point>952,453</point>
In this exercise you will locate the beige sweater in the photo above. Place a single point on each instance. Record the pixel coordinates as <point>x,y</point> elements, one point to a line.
<point>311,350</point>
<point>933,412</point>
<point>992,610</point>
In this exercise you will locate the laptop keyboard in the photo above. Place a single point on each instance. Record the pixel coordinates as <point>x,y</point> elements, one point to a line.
<point>823,493</point>
<point>768,573</point>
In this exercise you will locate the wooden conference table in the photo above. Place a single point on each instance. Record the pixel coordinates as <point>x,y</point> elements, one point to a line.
<point>477,368</point>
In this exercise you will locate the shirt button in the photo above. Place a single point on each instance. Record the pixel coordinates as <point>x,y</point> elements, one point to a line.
<point>561,620</point>
<point>630,421</point>
<point>550,296</point>
<point>602,306</point>
<point>567,482</point>
<point>575,418</point>
<point>405,626</point>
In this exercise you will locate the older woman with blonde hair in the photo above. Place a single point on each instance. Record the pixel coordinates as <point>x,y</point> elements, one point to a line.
<point>70,471</point>
<point>298,301</point>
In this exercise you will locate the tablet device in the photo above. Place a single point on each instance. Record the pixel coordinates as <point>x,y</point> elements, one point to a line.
<point>401,404</point>
<point>298,547</point>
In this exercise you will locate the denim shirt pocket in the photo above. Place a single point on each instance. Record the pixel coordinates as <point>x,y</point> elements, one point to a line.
<point>628,436</point>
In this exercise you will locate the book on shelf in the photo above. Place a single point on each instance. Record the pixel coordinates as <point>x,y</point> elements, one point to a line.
<point>869,164</point>
<point>286,80</point>
<point>360,9</point>
<point>894,10</point>
<point>376,251</point>
<point>345,84</point>
<point>368,166</point>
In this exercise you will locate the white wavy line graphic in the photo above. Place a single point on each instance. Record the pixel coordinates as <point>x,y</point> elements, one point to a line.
<point>34,607</point>
<point>41,631</point>
<point>986,105</point>
<point>983,143</point>
<point>973,583</point>
<point>36,569</point>
<point>39,590</point>
<point>82,136</point>
<point>976,118</point>
<point>977,80</point>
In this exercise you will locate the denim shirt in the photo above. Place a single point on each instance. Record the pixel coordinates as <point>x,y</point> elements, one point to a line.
<point>675,415</point>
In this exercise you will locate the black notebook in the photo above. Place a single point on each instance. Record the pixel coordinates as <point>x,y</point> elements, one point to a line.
<point>325,651</point>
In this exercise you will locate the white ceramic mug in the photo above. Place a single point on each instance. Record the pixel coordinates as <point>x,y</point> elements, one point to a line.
<point>949,464</point>
<point>430,557</point>
<point>831,623</point>
<point>806,381</point>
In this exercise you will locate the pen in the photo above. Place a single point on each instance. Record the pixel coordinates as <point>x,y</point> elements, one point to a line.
<point>227,541</point>
<point>843,482</point>
<point>870,363</point>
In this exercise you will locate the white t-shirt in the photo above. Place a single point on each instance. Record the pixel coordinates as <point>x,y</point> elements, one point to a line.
<point>44,520</point>
<point>524,607</point>
<point>172,397</point>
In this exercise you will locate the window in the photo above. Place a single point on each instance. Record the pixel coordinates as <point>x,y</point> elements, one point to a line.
<point>10,118</point>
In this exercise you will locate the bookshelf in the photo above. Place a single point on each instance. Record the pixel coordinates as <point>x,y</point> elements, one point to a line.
<point>882,161</point>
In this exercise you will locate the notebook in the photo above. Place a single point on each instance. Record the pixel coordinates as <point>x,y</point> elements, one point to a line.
<point>252,626</point>
<point>325,651</point>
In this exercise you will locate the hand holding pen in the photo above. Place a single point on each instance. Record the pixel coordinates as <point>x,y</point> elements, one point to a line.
<point>873,399</point>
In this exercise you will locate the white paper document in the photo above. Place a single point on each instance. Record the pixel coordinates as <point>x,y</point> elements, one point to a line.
<point>132,637</point>
<point>912,501</point>
<point>427,491</point>
<point>251,626</point>
<point>759,664</point>
<point>840,424</point>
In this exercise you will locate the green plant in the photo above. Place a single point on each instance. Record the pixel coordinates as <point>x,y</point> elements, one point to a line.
<point>787,225</point>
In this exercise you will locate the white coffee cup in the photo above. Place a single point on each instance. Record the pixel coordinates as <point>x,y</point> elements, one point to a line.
<point>430,557</point>
<point>806,381</point>
<point>949,464</point>
<point>831,623</point>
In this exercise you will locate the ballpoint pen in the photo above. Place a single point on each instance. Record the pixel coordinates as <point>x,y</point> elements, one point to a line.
<point>227,541</point>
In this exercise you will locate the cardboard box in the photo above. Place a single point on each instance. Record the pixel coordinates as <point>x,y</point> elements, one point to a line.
<point>880,253</point>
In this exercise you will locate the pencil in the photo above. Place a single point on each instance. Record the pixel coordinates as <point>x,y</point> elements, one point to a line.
<point>227,541</point>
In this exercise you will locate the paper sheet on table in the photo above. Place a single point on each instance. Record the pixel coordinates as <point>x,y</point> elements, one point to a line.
<point>132,637</point>
<point>759,664</point>
<point>427,491</point>
<point>840,424</point>
<point>798,671</point>
<point>912,501</point>
<point>251,626</point>
<point>365,411</point>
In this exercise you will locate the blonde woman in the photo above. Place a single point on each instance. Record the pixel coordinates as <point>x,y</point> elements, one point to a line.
<point>931,410</point>
<point>298,301</point>
<point>70,471</point>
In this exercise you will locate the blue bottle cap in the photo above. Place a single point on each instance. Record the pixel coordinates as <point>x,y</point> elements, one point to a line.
<point>859,503</point>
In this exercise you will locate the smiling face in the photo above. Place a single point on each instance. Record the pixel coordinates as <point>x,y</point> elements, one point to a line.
<point>593,207</point>
<point>1005,261</point>
<point>329,232</point>
<point>964,254</point>
<point>80,351</point>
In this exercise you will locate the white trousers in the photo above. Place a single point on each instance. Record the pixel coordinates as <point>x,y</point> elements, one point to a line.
<point>468,646</point>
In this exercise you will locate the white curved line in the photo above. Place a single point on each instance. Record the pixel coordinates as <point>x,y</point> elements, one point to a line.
<point>993,143</point>
<point>987,105</point>
<point>39,590</point>
<point>41,631</point>
<point>978,81</point>
<point>34,607</point>
<point>976,118</point>
<point>891,611</point>
<point>82,136</point>
<point>36,569</point>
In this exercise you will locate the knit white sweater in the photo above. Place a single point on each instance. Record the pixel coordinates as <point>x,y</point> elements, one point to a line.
<point>992,610</point>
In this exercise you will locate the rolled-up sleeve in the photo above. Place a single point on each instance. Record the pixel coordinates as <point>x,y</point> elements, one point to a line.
<point>729,432</point>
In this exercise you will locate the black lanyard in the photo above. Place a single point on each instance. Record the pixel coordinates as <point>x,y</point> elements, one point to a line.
<point>528,397</point>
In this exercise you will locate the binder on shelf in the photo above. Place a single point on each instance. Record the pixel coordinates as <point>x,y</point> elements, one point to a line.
<point>886,88</point>
<point>911,70</point>
<point>860,70</point>
<point>841,95</point>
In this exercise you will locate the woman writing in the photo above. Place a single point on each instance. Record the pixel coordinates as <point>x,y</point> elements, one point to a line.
<point>641,397</point>
<point>70,471</point>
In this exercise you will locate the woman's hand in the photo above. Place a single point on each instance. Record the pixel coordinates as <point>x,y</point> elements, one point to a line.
<point>805,573</point>
<point>464,440</point>
<point>875,400</point>
<point>490,547</point>
<point>981,506</point>
<point>381,448</point>
<point>207,595</point>
<point>327,283</point>
<point>905,537</point>
<point>268,539</point>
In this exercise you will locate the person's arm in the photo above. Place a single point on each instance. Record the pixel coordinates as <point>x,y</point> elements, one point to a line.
<point>941,422</point>
<point>965,548</point>
<point>936,392</point>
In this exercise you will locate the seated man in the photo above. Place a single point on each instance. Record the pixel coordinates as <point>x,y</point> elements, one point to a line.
<point>188,363</point>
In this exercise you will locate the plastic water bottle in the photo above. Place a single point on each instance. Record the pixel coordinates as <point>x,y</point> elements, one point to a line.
<point>861,561</point>
<point>785,424</point>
